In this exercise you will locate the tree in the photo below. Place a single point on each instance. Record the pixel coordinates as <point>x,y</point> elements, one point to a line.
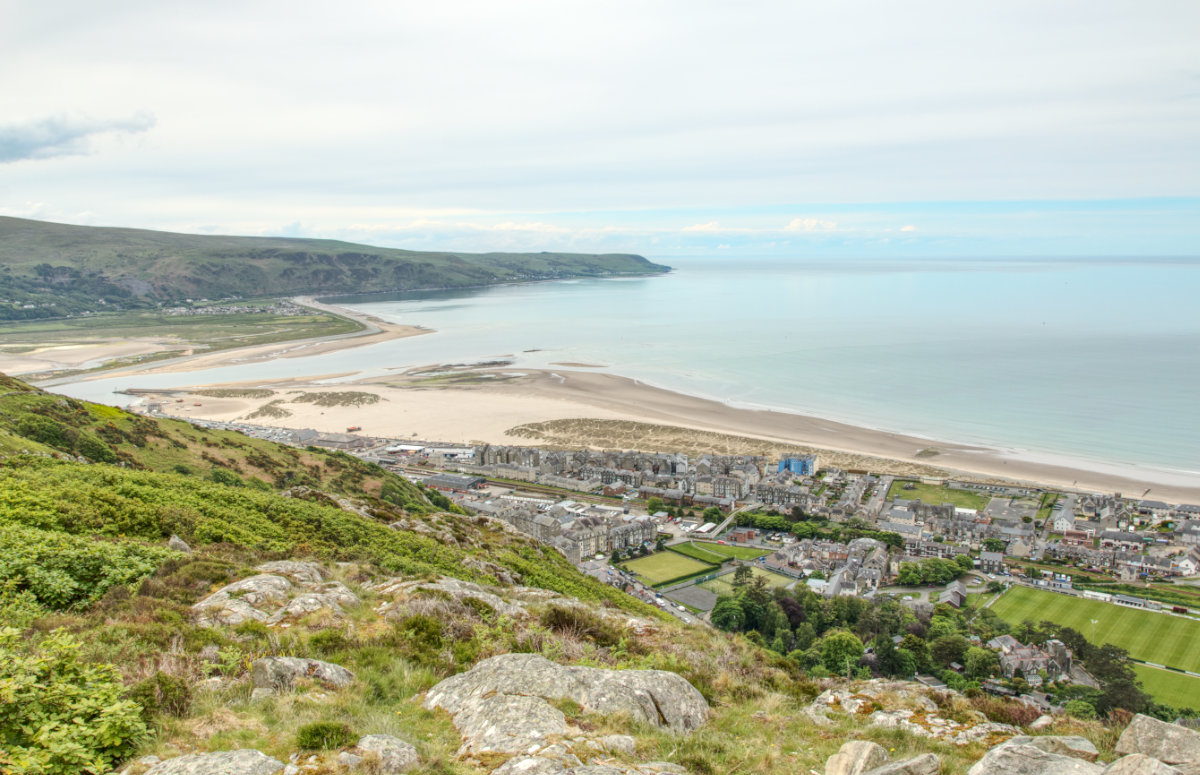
<point>1080,709</point>
<point>660,544</point>
<point>949,648</point>
<point>727,615</point>
<point>616,557</point>
<point>993,545</point>
<point>982,663</point>
<point>964,561</point>
<point>742,575</point>
<point>712,514</point>
<point>655,505</point>
<point>840,650</point>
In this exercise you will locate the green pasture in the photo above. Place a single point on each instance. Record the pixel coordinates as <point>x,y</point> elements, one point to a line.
<point>1167,686</point>
<point>717,553</point>
<point>936,495</point>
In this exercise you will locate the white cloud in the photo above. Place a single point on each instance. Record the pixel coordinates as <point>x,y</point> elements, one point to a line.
<point>47,138</point>
<point>710,226</point>
<point>910,227</point>
<point>810,224</point>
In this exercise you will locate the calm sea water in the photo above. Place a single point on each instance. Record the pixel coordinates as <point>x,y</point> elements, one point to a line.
<point>1096,360</point>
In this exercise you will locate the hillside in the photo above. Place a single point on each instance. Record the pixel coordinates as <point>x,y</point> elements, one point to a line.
<point>177,600</point>
<point>71,268</point>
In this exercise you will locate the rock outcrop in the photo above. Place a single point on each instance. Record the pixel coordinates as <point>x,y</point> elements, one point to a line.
<point>855,758</point>
<point>281,673</point>
<point>285,590</point>
<point>1139,764</point>
<point>1010,759</point>
<point>244,762</point>
<point>1067,745</point>
<point>242,601</point>
<point>391,755</point>
<point>1168,743</point>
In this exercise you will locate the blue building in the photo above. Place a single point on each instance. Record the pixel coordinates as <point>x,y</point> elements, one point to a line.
<point>800,466</point>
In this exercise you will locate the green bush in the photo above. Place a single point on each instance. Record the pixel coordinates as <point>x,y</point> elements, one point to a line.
<point>322,735</point>
<point>1080,709</point>
<point>326,642</point>
<point>58,715</point>
<point>162,693</point>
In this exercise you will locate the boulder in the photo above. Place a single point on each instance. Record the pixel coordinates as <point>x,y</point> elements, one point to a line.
<point>1010,759</point>
<point>1041,722</point>
<point>529,765</point>
<point>855,757</point>
<point>1169,743</point>
<point>175,543</point>
<point>393,755</point>
<point>657,697</point>
<point>282,672</point>
<point>456,589</point>
<point>332,600</point>
<point>925,764</point>
<point>1139,764</point>
<point>508,723</point>
<point>1067,745</point>
<point>241,601</point>
<point>303,572</point>
<point>244,762</point>
<point>624,745</point>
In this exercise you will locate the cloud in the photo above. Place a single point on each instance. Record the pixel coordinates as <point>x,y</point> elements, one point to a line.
<point>48,138</point>
<point>710,226</point>
<point>810,224</point>
<point>910,227</point>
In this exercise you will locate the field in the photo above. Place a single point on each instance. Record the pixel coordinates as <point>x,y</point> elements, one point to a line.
<point>717,553</point>
<point>935,495</point>
<point>1177,689</point>
<point>1149,636</point>
<point>665,566</point>
<point>724,585</point>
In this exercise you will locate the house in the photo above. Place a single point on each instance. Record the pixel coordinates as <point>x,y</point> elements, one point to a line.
<point>454,482</point>
<point>992,562</point>
<point>955,594</point>
<point>341,441</point>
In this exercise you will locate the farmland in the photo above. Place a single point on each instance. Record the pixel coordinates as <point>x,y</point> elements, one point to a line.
<point>1153,637</point>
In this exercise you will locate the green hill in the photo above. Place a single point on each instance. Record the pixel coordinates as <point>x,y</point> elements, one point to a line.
<point>59,269</point>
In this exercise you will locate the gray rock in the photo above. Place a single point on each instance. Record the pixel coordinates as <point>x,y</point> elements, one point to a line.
<point>347,759</point>
<point>1067,745</point>
<point>303,572</point>
<point>240,601</point>
<point>665,768</point>
<point>658,697</point>
<point>393,754</point>
<point>1169,743</point>
<point>619,744</point>
<point>596,769</point>
<point>282,672</point>
<point>261,693</point>
<point>456,589</point>
<point>291,769</point>
<point>529,765</point>
<point>244,762</point>
<point>1041,722</point>
<point>855,757</point>
<point>1139,764</point>
<point>175,543</point>
<point>1009,759</point>
<point>312,602</point>
<point>925,764</point>
<point>507,723</point>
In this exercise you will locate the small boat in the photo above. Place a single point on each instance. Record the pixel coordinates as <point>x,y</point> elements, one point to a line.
<point>353,428</point>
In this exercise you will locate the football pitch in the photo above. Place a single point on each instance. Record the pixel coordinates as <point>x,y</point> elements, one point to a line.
<point>1146,635</point>
<point>665,566</point>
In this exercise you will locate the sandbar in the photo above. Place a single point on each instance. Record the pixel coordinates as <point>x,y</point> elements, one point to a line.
<point>598,410</point>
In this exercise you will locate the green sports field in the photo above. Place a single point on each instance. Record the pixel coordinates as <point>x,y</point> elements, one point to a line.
<point>1149,636</point>
<point>664,566</point>
<point>717,553</point>
<point>724,585</point>
<point>1177,689</point>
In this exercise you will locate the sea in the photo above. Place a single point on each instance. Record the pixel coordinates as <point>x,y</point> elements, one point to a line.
<point>1066,359</point>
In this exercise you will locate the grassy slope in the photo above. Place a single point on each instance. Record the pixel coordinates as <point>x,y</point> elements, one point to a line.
<point>131,264</point>
<point>1153,637</point>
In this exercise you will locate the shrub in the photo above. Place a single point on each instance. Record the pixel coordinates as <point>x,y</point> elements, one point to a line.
<point>326,642</point>
<point>162,693</point>
<point>59,716</point>
<point>581,623</point>
<point>323,735</point>
<point>1080,709</point>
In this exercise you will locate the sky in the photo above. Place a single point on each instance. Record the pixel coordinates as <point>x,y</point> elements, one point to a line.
<point>656,127</point>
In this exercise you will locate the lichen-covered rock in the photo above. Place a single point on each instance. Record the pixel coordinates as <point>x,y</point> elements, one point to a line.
<point>455,589</point>
<point>241,601</point>
<point>624,745</point>
<point>1139,764</point>
<point>282,672</point>
<point>1067,745</point>
<point>1169,743</point>
<point>1041,722</point>
<point>925,764</point>
<point>530,765</point>
<point>303,572</point>
<point>1008,759</point>
<point>507,723</point>
<point>331,598</point>
<point>244,762</point>
<point>855,757</point>
<point>393,755</point>
<point>657,697</point>
<point>177,544</point>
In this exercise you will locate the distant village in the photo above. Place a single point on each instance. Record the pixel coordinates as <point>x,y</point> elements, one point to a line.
<point>605,510</point>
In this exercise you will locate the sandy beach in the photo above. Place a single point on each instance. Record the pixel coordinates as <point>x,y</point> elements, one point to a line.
<point>566,408</point>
